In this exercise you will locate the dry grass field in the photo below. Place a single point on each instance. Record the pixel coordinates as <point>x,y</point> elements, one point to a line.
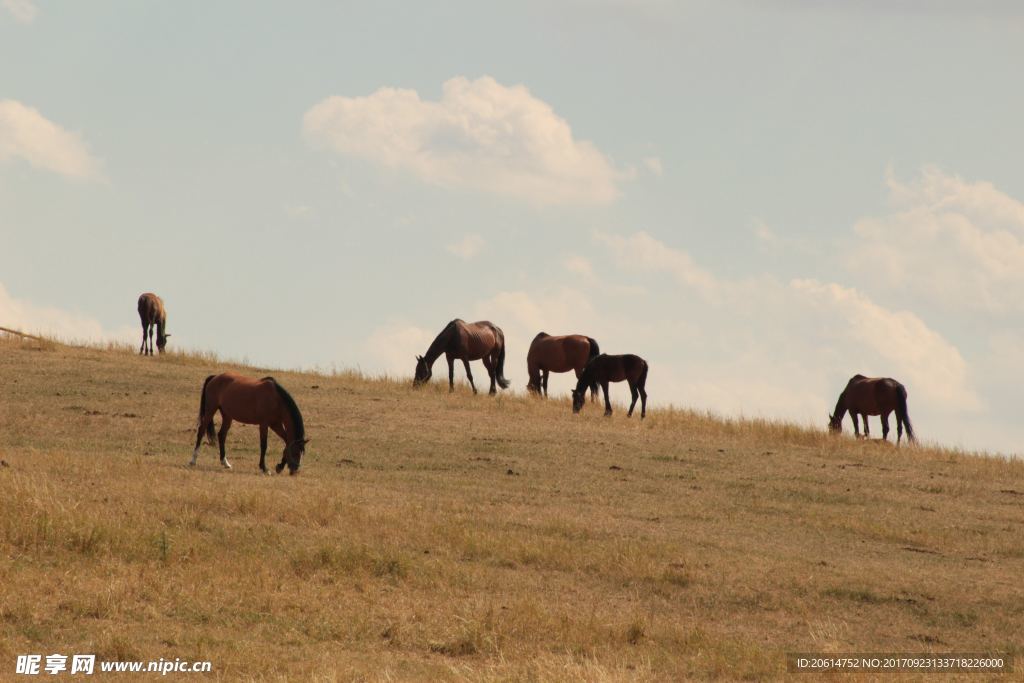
<point>437,536</point>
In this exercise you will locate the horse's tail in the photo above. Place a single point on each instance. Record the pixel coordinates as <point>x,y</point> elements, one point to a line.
<point>902,414</point>
<point>210,436</point>
<point>293,411</point>
<point>499,372</point>
<point>642,381</point>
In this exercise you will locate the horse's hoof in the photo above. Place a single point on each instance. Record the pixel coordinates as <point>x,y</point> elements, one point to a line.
<point>278,468</point>
<point>226,464</point>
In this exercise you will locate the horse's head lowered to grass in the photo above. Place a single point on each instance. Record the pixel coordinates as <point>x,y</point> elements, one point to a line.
<point>835,423</point>
<point>423,372</point>
<point>292,456</point>
<point>579,399</point>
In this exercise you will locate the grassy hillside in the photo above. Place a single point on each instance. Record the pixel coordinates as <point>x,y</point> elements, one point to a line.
<point>435,536</point>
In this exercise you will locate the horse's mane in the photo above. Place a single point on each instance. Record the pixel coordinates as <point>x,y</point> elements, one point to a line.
<point>437,346</point>
<point>587,375</point>
<point>293,410</point>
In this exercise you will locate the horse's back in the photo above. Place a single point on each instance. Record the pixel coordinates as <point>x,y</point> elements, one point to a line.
<point>619,367</point>
<point>872,395</point>
<point>145,305</point>
<point>479,338</point>
<point>247,399</point>
<point>151,307</point>
<point>559,353</point>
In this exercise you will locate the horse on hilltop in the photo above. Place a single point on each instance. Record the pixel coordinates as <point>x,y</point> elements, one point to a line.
<point>261,402</point>
<point>464,341</point>
<point>605,369</point>
<point>873,396</point>
<point>549,354</point>
<point>153,314</point>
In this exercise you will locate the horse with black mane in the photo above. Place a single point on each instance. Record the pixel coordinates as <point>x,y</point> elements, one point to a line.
<point>152,314</point>
<point>549,354</point>
<point>873,396</point>
<point>252,401</point>
<point>604,369</point>
<point>459,340</point>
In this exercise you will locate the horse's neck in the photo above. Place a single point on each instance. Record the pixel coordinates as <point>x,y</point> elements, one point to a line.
<point>840,407</point>
<point>439,345</point>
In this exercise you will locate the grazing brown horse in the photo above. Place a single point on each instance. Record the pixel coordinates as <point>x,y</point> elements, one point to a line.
<point>464,341</point>
<point>152,314</point>
<point>605,369</point>
<point>549,354</point>
<point>873,396</point>
<point>251,401</point>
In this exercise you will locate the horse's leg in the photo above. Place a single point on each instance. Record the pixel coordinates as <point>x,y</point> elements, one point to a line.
<point>150,350</point>
<point>263,449</point>
<point>643,396</point>
<point>635,393</point>
<point>491,365</point>
<point>867,430</point>
<point>205,423</point>
<point>856,427</point>
<point>547,373</point>
<point>607,401</point>
<point>885,426</point>
<point>199,438</point>
<point>451,372</point>
<point>899,427</point>
<point>222,437</point>
<point>469,376</point>
<point>279,430</point>
<point>143,347</point>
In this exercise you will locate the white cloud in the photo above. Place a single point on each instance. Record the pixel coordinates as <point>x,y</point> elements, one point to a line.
<point>641,252</point>
<point>759,339</point>
<point>896,339</point>
<point>763,232</point>
<point>953,243</point>
<point>298,210</point>
<point>480,135</point>
<point>26,134</point>
<point>393,348</point>
<point>653,165</point>
<point>580,266</point>
<point>26,317</point>
<point>468,247</point>
<point>23,11</point>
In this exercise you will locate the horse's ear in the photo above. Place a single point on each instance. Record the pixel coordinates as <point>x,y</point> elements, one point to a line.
<point>167,335</point>
<point>419,357</point>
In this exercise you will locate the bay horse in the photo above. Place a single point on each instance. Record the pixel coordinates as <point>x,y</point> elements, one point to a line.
<point>873,396</point>
<point>153,314</point>
<point>605,369</point>
<point>464,341</point>
<point>251,401</point>
<point>549,354</point>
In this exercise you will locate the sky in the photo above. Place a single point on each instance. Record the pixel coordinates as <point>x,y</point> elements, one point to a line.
<point>762,199</point>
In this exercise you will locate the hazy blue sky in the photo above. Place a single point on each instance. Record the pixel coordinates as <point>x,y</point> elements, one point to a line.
<point>761,198</point>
